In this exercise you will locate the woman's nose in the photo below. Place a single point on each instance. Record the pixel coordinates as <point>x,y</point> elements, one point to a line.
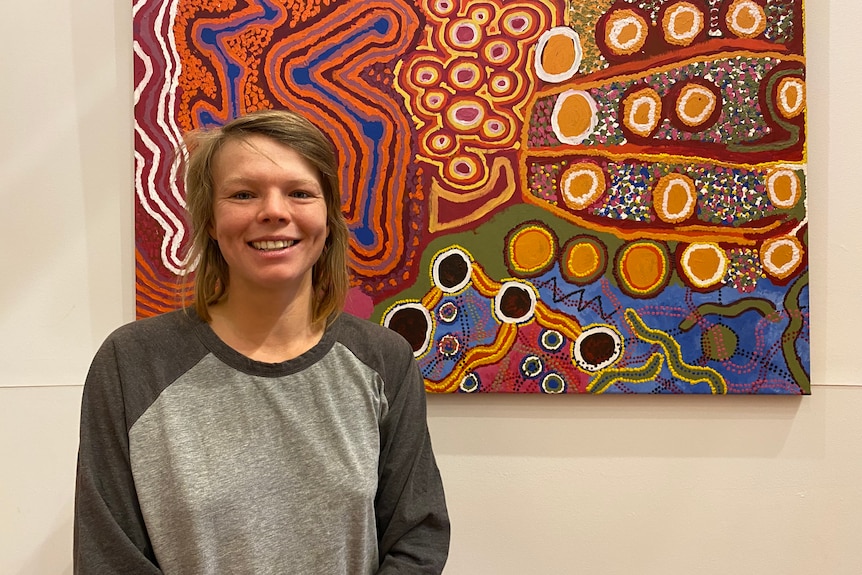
<point>274,208</point>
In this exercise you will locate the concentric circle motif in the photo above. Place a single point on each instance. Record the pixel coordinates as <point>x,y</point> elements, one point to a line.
<point>790,96</point>
<point>531,249</point>
<point>426,76</point>
<point>442,7</point>
<point>674,198</point>
<point>434,100</point>
<point>449,345</point>
<point>696,104</point>
<point>462,169</point>
<point>466,76</point>
<point>582,184</point>
<point>470,383</point>
<point>704,264</point>
<point>480,13</point>
<point>413,322</point>
<point>642,268</point>
<point>682,23</point>
<point>642,111</point>
<point>440,144</point>
<point>781,256</point>
<point>532,366</point>
<point>625,32</point>
<point>519,23</point>
<point>574,117</point>
<point>499,52</point>
<point>551,340</point>
<point>465,115</point>
<point>783,187</point>
<point>515,302</point>
<point>447,312</point>
<point>553,383</point>
<point>558,54</point>
<point>746,18</point>
<point>464,35</point>
<point>584,260</point>
<point>598,347</point>
<point>493,130</point>
<point>501,84</point>
<point>451,270</point>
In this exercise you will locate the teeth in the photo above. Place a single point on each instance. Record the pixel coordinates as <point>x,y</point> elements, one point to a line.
<point>273,245</point>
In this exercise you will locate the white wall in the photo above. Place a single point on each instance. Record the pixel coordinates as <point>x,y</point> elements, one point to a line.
<point>598,485</point>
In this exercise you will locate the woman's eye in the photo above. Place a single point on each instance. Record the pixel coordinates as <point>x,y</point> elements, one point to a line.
<point>301,194</point>
<point>241,195</point>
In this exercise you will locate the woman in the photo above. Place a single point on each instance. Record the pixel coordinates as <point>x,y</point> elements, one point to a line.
<point>261,431</point>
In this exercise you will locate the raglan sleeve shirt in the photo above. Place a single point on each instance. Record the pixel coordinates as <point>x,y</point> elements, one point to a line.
<point>109,531</point>
<point>135,366</point>
<point>412,519</point>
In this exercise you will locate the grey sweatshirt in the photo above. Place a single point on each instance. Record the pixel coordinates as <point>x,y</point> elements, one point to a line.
<point>195,459</point>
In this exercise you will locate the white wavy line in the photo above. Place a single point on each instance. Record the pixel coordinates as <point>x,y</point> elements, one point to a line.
<point>160,212</point>
<point>148,70</point>
<point>174,127</point>
<point>148,194</point>
<point>139,189</point>
<point>137,6</point>
<point>168,92</point>
<point>139,169</point>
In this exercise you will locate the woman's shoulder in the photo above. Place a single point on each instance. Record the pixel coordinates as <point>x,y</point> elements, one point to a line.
<point>168,343</point>
<point>371,340</point>
<point>359,327</point>
<point>163,330</point>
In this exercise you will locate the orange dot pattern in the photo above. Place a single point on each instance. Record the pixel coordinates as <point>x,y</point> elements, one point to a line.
<point>643,268</point>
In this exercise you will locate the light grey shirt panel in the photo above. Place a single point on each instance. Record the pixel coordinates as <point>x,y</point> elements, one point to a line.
<point>239,473</point>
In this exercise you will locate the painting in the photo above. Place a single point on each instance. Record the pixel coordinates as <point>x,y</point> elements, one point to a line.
<point>544,196</point>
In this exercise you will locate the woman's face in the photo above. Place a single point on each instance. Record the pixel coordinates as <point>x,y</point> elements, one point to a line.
<point>269,215</point>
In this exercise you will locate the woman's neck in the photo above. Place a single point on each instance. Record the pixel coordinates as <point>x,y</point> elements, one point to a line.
<point>266,328</point>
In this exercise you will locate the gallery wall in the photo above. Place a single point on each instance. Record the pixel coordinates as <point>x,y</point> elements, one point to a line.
<point>535,484</point>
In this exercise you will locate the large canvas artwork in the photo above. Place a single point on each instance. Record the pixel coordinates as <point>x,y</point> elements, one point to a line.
<point>544,196</point>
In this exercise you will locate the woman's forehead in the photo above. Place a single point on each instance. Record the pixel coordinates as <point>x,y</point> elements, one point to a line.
<point>256,155</point>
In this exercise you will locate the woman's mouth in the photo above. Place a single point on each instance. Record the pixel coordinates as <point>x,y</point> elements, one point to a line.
<point>271,245</point>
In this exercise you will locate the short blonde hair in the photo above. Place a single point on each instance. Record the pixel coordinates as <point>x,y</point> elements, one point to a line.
<point>330,279</point>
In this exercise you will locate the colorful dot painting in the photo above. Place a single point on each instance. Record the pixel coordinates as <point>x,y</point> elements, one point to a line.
<point>544,196</point>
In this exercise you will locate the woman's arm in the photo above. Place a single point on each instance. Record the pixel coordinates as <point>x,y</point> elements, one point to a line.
<point>412,520</point>
<point>109,533</point>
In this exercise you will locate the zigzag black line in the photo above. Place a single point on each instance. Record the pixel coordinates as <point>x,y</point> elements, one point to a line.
<point>551,284</point>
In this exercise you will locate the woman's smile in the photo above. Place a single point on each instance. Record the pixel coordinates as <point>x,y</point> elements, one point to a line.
<point>269,214</point>
<point>272,245</point>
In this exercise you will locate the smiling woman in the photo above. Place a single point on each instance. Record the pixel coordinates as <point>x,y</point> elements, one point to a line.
<point>283,147</point>
<point>269,221</point>
<point>261,430</point>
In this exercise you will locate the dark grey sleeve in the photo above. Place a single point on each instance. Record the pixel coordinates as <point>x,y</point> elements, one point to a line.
<point>109,532</point>
<point>412,520</point>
